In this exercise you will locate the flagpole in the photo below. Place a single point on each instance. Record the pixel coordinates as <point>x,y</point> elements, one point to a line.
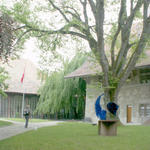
<point>23,103</point>
<point>23,96</point>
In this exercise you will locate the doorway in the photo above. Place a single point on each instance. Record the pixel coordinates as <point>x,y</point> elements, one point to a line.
<point>129,113</point>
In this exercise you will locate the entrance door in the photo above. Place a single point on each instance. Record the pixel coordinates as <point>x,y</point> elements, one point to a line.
<point>129,113</point>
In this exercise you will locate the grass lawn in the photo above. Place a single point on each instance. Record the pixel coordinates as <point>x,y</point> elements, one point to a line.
<point>23,120</point>
<point>4,123</point>
<point>79,136</point>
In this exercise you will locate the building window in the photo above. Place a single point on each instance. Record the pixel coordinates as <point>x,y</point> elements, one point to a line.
<point>144,110</point>
<point>145,75</point>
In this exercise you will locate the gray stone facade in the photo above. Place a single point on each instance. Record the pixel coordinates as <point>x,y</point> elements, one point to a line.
<point>92,92</point>
<point>133,94</point>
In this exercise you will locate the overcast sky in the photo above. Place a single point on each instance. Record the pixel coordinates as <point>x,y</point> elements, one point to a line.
<point>31,52</point>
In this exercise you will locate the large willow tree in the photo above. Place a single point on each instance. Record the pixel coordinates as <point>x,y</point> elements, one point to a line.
<point>65,97</point>
<point>86,20</point>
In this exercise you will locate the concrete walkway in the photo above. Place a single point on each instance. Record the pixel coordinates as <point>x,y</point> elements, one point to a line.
<point>18,127</point>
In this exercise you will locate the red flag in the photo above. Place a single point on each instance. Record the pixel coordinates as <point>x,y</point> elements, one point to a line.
<point>22,76</point>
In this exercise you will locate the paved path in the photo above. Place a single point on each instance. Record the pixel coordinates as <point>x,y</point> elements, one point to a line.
<point>18,127</point>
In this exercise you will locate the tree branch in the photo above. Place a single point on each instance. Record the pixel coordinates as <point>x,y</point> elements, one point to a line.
<point>93,45</point>
<point>113,46</point>
<point>72,24</point>
<point>21,27</point>
<point>132,15</point>
<point>57,8</point>
<point>75,12</point>
<point>120,24</point>
<point>125,34</point>
<point>131,6</point>
<point>93,7</point>
<point>84,4</point>
<point>20,37</point>
<point>63,30</point>
<point>140,47</point>
<point>145,10</point>
<point>100,45</point>
<point>74,15</point>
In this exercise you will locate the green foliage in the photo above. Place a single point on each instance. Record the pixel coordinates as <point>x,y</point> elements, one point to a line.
<point>7,37</point>
<point>139,15</point>
<point>64,96</point>
<point>113,81</point>
<point>35,17</point>
<point>24,15</point>
<point>51,21</point>
<point>3,77</point>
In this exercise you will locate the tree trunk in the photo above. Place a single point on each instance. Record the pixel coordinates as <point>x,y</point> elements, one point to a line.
<point>108,127</point>
<point>112,96</point>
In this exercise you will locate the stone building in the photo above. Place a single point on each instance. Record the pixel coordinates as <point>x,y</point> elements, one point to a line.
<point>134,97</point>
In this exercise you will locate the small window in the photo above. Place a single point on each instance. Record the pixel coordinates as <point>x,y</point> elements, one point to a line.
<point>147,111</point>
<point>145,75</point>
<point>144,110</point>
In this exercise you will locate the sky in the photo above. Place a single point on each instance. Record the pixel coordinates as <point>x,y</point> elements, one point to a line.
<point>31,52</point>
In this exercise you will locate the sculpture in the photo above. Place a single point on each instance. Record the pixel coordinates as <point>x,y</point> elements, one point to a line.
<point>100,113</point>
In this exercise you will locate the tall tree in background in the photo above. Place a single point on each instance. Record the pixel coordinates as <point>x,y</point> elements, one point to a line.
<point>6,47</point>
<point>86,20</point>
<point>64,96</point>
<point>7,37</point>
<point>3,77</point>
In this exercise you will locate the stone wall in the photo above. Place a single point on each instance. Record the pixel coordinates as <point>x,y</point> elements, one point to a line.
<point>132,94</point>
<point>92,92</point>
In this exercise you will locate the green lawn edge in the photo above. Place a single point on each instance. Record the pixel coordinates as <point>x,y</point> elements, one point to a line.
<point>4,123</point>
<point>79,136</point>
<point>23,120</point>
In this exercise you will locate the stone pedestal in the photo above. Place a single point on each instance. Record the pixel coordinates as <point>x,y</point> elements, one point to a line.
<point>107,127</point>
